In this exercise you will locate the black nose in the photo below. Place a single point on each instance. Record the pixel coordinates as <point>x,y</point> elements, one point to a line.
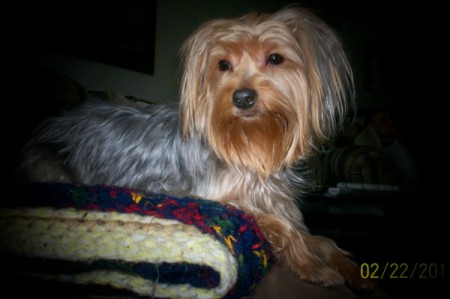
<point>244,98</point>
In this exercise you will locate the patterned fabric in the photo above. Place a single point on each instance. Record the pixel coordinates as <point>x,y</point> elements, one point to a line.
<point>174,257</point>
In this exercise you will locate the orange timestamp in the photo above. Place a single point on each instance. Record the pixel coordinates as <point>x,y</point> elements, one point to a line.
<point>418,270</point>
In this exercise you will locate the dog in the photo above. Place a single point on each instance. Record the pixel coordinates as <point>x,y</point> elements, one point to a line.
<point>258,95</point>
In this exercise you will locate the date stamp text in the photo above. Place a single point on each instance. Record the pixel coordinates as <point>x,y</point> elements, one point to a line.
<point>402,270</point>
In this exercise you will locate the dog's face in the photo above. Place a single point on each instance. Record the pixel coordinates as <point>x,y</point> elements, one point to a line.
<point>263,89</point>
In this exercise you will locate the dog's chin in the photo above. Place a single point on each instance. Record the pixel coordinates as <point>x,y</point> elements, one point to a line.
<point>247,114</point>
<point>256,141</point>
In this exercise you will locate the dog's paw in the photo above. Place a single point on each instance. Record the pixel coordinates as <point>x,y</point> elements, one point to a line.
<point>366,288</point>
<point>323,276</point>
<point>350,270</point>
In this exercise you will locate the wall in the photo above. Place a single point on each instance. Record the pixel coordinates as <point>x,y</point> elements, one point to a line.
<point>371,35</point>
<point>175,20</point>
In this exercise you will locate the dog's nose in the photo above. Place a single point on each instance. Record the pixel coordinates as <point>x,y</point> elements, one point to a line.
<point>244,98</point>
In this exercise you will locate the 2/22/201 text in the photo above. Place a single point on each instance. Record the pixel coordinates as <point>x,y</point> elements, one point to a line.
<point>402,271</point>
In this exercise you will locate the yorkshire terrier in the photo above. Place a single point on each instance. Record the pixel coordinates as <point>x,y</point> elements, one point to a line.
<point>258,94</point>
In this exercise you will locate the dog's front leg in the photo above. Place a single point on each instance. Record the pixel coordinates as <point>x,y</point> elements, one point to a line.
<point>313,258</point>
<point>291,248</point>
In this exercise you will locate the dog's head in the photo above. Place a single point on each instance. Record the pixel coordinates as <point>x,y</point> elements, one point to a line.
<point>264,88</point>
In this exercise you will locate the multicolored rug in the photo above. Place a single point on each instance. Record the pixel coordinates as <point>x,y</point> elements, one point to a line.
<point>149,244</point>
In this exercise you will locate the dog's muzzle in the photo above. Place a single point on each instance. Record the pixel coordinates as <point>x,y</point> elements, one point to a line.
<point>244,98</point>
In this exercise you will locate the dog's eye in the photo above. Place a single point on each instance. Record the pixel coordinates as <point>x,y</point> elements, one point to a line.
<point>224,65</point>
<point>275,59</point>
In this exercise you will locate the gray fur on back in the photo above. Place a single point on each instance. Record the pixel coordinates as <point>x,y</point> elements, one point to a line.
<point>100,143</point>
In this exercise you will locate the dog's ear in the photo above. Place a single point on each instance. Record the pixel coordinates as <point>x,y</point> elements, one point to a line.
<point>194,61</point>
<point>327,69</point>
